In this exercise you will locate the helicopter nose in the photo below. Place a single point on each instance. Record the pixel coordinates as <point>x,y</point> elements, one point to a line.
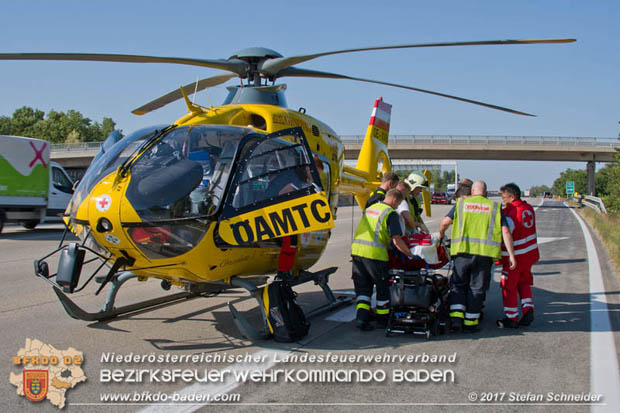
<point>104,220</point>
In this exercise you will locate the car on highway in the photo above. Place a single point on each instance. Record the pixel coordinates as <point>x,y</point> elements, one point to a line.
<point>440,198</point>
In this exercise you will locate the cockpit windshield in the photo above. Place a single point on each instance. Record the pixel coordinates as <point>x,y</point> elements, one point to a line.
<point>183,174</point>
<point>106,162</point>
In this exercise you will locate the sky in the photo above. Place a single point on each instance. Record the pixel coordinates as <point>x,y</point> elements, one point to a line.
<point>572,88</point>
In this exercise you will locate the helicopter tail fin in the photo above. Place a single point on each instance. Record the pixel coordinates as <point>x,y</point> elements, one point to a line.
<point>376,140</point>
<point>373,156</point>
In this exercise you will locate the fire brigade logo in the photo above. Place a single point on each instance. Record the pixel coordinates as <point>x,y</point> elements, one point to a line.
<point>527,218</point>
<point>46,373</point>
<point>103,203</point>
<point>36,384</point>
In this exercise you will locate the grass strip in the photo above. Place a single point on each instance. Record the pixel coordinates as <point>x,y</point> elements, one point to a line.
<point>607,226</point>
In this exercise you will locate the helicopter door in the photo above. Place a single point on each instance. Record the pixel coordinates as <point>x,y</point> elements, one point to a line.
<point>276,191</point>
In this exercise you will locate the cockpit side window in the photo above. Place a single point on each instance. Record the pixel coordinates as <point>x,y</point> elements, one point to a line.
<point>277,168</point>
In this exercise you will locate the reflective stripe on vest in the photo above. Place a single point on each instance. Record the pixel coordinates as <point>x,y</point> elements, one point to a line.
<point>368,242</point>
<point>477,231</point>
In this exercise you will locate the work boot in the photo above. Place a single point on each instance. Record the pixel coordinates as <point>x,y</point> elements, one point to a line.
<point>471,329</point>
<point>507,323</point>
<point>456,325</point>
<point>364,325</point>
<point>527,318</point>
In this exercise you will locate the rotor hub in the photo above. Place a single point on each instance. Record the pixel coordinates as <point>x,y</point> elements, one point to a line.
<point>255,52</point>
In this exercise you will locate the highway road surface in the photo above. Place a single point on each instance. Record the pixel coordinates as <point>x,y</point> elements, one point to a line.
<point>566,361</point>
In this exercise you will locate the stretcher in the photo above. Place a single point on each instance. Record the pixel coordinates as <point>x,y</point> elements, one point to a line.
<point>418,294</point>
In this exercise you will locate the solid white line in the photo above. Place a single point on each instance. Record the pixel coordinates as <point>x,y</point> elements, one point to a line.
<point>604,375</point>
<point>345,404</point>
<point>224,386</point>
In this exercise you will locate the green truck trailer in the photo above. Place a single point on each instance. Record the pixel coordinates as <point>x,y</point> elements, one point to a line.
<point>32,189</point>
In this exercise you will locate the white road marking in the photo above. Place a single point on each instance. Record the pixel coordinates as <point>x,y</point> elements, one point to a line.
<point>542,201</point>
<point>224,386</point>
<point>544,240</point>
<point>604,375</point>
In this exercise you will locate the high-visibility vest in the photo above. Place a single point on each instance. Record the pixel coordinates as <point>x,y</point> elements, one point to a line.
<point>477,227</point>
<point>372,238</point>
<point>521,214</point>
<point>413,209</point>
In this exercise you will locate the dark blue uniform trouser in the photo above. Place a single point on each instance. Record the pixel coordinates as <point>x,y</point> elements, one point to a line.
<point>468,285</point>
<point>366,274</point>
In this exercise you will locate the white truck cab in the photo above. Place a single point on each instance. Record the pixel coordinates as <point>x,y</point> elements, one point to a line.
<point>33,190</point>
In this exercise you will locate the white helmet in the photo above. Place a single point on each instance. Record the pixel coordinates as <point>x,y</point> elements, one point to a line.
<point>416,180</point>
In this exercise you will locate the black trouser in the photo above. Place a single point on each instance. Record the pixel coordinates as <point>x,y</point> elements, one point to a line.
<point>366,274</point>
<point>468,285</point>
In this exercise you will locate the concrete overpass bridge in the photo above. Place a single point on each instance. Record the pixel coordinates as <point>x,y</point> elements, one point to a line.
<point>453,147</point>
<point>508,148</point>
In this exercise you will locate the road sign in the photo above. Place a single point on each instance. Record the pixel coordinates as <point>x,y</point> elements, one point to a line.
<point>570,187</point>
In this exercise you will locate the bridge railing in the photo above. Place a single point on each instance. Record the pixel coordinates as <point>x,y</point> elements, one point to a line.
<point>426,139</point>
<point>485,140</point>
<point>75,146</point>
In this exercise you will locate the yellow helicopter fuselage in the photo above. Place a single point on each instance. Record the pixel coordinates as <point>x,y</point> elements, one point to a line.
<point>207,262</point>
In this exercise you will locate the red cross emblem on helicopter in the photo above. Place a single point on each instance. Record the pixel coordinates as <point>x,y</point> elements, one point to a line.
<point>527,218</point>
<point>38,155</point>
<point>103,203</point>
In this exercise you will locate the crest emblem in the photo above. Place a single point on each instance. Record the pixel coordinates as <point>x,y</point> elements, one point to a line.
<point>35,384</point>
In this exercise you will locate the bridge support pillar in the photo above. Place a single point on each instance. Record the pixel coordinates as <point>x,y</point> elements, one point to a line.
<point>591,168</point>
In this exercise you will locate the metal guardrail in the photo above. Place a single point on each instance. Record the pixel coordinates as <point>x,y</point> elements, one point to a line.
<point>426,139</point>
<point>594,203</point>
<point>482,140</point>
<point>72,147</point>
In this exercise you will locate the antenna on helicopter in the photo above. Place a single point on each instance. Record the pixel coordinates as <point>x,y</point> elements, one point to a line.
<point>195,91</point>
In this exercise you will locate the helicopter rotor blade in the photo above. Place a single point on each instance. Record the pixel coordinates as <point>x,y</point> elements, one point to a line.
<point>176,94</point>
<point>297,72</point>
<point>232,65</point>
<point>271,67</point>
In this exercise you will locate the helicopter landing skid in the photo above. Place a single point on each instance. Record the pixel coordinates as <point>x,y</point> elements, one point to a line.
<point>320,278</point>
<point>109,311</point>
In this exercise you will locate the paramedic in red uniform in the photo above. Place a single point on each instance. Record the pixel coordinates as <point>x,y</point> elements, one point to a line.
<point>517,282</point>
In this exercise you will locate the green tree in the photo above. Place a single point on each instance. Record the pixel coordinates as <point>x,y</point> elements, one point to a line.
<point>578,176</point>
<point>107,127</point>
<point>73,137</point>
<point>56,127</point>
<point>6,126</point>
<point>25,118</point>
<point>612,197</point>
<point>539,190</point>
<point>605,180</point>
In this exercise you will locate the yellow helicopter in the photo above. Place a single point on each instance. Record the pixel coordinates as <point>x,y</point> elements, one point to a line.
<point>206,202</point>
